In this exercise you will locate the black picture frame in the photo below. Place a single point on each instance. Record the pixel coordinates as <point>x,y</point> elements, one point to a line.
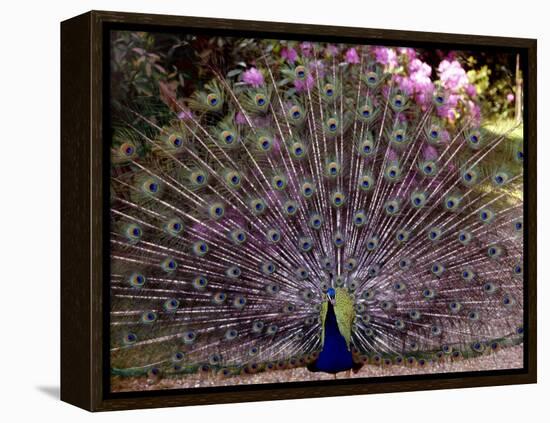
<point>84,215</point>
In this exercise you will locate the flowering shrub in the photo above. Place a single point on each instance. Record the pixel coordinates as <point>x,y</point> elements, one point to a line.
<point>413,76</point>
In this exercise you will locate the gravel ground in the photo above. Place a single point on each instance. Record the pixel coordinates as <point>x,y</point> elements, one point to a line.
<point>509,358</point>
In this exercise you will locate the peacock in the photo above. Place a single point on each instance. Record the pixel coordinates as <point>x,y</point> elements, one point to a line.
<point>312,208</point>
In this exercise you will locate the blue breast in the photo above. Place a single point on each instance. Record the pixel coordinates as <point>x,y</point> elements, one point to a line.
<point>335,356</point>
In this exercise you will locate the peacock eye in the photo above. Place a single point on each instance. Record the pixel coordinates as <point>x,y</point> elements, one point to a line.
<point>402,235</point>
<point>130,338</point>
<point>434,234</point>
<point>290,207</point>
<point>212,99</point>
<point>279,182</point>
<point>329,90</point>
<point>258,205</point>
<point>127,149</point>
<point>474,139</point>
<point>217,210</point>
<point>231,334</point>
<point>428,293</point>
<point>233,272</point>
<point>415,315</point>
<point>508,301</point>
<point>295,113</point>
<point>307,190</point>
<point>189,337</point>
<point>435,330</point>
<point>178,356</point>
<point>489,288</point>
<point>300,72</point>
<point>228,137</point>
<point>332,124</point>
<point>273,235</point>
<point>171,305</point>
<point>264,143</point>
<point>268,268</point>
<point>200,248</point>
<point>169,265</point>
<point>137,280</point>
<point>219,297</point>
<point>391,207</point>
<point>148,317</point>
<point>404,263</point>
<point>151,186</point>
<point>519,330</point>
<point>366,112</point>
<point>519,155</point>
<point>306,244</point>
<point>338,240</point>
<point>486,215</point>
<point>239,302</point>
<point>478,347</point>
<point>372,243</point>
<point>260,100</point>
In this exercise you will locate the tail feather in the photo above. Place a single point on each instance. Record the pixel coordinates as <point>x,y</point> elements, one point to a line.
<point>233,214</point>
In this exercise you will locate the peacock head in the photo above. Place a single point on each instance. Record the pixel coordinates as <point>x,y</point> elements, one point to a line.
<point>331,294</point>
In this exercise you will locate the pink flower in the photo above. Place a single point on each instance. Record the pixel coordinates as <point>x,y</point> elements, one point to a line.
<point>410,53</point>
<point>448,110</point>
<point>429,153</point>
<point>475,112</point>
<point>289,54</point>
<point>253,77</point>
<point>386,56</point>
<point>240,119</point>
<point>352,56</point>
<point>510,97</point>
<point>452,75</point>
<point>418,83</point>
<point>331,50</point>
<point>471,90</point>
<point>392,155</point>
<point>304,85</point>
<point>405,84</point>
<point>317,67</point>
<point>418,66</point>
<point>444,136</point>
<point>185,114</point>
<point>306,48</point>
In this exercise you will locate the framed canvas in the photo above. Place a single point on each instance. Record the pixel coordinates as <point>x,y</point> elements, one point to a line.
<point>256,211</point>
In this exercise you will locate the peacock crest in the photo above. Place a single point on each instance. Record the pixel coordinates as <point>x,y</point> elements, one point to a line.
<point>307,206</point>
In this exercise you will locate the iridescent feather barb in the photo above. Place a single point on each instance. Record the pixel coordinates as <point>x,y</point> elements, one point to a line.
<point>274,197</point>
